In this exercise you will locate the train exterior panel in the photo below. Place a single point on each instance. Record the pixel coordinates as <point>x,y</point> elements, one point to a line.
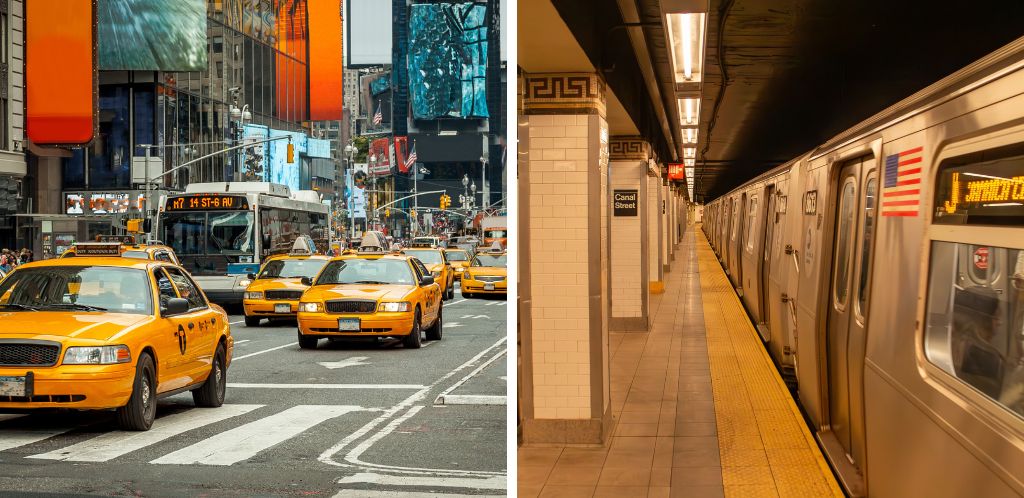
<point>887,280</point>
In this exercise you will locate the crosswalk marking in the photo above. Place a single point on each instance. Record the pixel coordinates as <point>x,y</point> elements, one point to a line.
<point>114,444</point>
<point>496,482</point>
<point>15,438</point>
<point>244,442</point>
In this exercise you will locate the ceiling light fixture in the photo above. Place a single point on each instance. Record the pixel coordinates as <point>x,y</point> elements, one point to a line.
<point>686,40</point>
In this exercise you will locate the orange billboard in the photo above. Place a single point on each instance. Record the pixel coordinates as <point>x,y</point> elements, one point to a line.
<point>325,64</point>
<point>60,71</point>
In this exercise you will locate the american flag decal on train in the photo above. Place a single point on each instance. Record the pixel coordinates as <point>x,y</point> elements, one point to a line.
<point>901,190</point>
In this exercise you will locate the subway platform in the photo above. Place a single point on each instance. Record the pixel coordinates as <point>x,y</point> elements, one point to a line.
<point>699,409</point>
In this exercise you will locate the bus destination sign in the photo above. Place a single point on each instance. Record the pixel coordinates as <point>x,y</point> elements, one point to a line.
<point>207,202</point>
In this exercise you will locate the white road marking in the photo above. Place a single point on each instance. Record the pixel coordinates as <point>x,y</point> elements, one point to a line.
<point>470,399</point>
<point>452,324</point>
<point>495,482</point>
<point>264,351</point>
<point>10,416</point>
<point>236,323</point>
<point>18,437</point>
<point>244,442</point>
<point>366,493</point>
<point>111,445</point>
<point>475,316</point>
<point>457,302</point>
<point>324,386</point>
<point>477,370</point>
<point>347,362</point>
<point>353,455</point>
<point>495,303</point>
<point>243,340</point>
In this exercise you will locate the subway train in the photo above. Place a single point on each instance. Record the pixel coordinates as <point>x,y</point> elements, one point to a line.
<point>885,273</point>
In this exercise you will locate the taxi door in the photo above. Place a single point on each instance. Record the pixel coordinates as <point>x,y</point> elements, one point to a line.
<point>195,329</point>
<point>170,360</point>
<point>432,295</point>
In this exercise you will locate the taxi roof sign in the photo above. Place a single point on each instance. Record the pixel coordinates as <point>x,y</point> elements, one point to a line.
<point>98,249</point>
<point>496,247</point>
<point>127,240</point>
<point>373,242</point>
<point>303,246</point>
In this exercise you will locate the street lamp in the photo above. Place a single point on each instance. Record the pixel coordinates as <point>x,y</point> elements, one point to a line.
<point>350,154</point>
<point>485,191</point>
<point>239,116</point>
<point>416,199</point>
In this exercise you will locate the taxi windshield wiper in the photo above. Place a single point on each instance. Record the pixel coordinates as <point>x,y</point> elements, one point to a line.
<point>76,306</point>
<point>20,306</point>
<point>370,282</point>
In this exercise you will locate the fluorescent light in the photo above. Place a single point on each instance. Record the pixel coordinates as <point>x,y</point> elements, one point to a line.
<point>447,133</point>
<point>686,41</point>
<point>688,161</point>
<point>689,152</point>
<point>690,135</point>
<point>689,112</point>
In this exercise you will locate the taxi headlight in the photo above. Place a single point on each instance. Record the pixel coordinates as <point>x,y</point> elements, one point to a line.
<point>254,295</point>
<point>394,307</point>
<point>97,355</point>
<point>310,307</point>
<point>467,275</point>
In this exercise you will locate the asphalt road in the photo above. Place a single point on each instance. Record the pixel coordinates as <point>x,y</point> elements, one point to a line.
<point>346,420</point>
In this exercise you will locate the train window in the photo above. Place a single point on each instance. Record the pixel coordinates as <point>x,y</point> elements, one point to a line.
<point>865,250</point>
<point>976,332</point>
<point>976,190</point>
<point>982,269</point>
<point>735,217</point>
<point>844,242</point>
<point>751,218</point>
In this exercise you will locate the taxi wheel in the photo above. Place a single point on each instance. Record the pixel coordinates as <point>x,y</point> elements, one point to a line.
<point>139,413</point>
<point>434,332</point>
<point>413,340</point>
<point>451,290</point>
<point>307,342</point>
<point>252,321</point>
<point>467,295</point>
<point>211,393</point>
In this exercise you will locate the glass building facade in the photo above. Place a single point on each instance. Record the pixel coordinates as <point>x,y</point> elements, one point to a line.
<point>257,61</point>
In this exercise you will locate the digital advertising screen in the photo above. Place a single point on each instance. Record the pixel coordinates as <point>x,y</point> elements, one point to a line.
<point>152,35</point>
<point>448,60</point>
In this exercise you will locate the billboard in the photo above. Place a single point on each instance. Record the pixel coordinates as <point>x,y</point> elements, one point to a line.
<point>448,60</point>
<point>325,60</point>
<point>60,79</point>
<point>255,159</point>
<point>292,102</point>
<point>281,171</point>
<point>402,154</point>
<point>380,157</point>
<point>368,33</point>
<point>152,35</point>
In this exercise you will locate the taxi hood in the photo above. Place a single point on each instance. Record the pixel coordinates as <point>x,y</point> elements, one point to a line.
<point>357,291</point>
<point>60,325</point>
<point>488,270</point>
<point>277,283</point>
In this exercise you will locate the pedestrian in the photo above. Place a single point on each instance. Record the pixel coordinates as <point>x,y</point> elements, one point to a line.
<point>6,260</point>
<point>25,257</point>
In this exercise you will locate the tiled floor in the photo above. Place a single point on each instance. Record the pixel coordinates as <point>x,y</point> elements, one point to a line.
<point>689,421</point>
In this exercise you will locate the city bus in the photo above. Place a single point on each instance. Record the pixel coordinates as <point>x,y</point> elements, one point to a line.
<point>222,232</point>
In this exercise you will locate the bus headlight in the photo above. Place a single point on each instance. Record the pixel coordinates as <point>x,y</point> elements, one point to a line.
<point>254,295</point>
<point>310,307</point>
<point>97,355</point>
<point>394,307</point>
<point>244,282</point>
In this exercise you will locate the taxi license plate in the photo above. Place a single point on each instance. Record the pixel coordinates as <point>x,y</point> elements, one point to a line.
<point>12,386</point>
<point>488,286</point>
<point>349,324</point>
<point>282,308</point>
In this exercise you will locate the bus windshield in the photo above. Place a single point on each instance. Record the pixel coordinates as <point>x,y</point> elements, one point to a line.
<point>207,242</point>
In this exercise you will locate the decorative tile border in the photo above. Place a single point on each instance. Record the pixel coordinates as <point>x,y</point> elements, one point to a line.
<point>564,93</point>
<point>629,147</point>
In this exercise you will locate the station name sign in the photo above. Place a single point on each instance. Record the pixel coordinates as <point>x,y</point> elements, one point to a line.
<point>990,193</point>
<point>207,202</point>
<point>624,202</point>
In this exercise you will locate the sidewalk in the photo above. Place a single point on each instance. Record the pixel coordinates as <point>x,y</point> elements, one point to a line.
<point>700,410</point>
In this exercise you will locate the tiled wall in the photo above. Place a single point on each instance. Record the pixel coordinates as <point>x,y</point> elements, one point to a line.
<point>626,261</point>
<point>558,252</point>
<point>654,215</point>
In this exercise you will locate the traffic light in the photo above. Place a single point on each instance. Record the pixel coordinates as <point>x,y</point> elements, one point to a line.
<point>291,153</point>
<point>387,212</point>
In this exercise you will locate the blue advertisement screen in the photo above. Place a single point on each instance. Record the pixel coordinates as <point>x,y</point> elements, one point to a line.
<point>448,60</point>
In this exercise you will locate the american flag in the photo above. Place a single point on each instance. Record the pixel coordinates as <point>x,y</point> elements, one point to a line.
<point>378,117</point>
<point>901,190</point>
<point>411,160</point>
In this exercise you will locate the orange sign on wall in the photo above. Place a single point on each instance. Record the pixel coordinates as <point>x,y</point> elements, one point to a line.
<point>676,172</point>
<point>325,49</point>
<point>60,71</point>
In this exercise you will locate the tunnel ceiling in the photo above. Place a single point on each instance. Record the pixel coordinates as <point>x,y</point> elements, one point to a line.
<point>796,72</point>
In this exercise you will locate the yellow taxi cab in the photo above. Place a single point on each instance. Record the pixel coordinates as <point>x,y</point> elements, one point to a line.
<point>100,332</point>
<point>276,289</point>
<point>371,294</point>
<point>459,259</point>
<point>487,273</point>
<point>435,261</point>
<point>129,248</point>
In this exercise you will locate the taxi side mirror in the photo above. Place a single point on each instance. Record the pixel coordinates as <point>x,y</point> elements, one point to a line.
<point>427,280</point>
<point>251,276</point>
<point>307,281</point>
<point>175,306</point>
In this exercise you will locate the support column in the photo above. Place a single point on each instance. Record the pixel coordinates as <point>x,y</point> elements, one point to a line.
<point>629,228</point>
<point>654,266</point>
<point>564,179</point>
<point>666,245</point>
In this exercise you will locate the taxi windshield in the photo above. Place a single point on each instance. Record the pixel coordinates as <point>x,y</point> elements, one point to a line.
<point>366,271</point>
<point>490,260</point>
<point>77,288</point>
<point>292,268</point>
<point>457,256</point>
<point>427,256</point>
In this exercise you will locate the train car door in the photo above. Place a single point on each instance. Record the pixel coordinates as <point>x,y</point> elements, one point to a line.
<point>738,247</point>
<point>846,330</point>
<point>770,220</point>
